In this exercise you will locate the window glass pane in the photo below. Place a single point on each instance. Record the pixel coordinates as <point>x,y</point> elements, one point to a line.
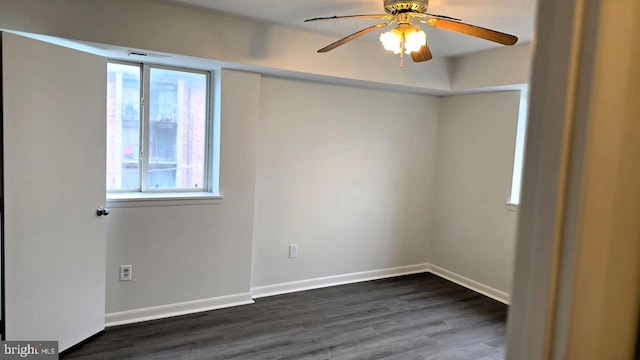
<point>123,127</point>
<point>177,129</point>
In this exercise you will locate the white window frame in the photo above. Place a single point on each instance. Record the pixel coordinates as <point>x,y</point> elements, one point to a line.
<point>145,196</point>
<point>518,158</point>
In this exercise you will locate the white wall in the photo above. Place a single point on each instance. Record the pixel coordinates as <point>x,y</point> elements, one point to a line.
<point>474,232</point>
<point>345,173</point>
<point>186,253</point>
<point>503,66</point>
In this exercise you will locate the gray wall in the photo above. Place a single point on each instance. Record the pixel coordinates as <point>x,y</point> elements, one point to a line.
<point>345,173</point>
<point>474,231</point>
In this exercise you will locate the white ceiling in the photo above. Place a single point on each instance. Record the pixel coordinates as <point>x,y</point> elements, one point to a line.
<point>511,16</point>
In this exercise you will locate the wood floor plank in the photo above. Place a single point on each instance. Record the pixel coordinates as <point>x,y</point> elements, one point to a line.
<point>412,317</point>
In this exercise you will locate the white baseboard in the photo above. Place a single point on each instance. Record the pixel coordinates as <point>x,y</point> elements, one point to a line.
<point>165,311</point>
<point>190,307</point>
<point>289,287</point>
<point>495,294</point>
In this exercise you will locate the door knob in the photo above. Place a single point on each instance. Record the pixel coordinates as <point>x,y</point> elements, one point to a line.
<point>102,211</point>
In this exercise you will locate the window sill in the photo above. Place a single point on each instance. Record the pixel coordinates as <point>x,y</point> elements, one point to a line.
<point>123,200</point>
<point>512,206</point>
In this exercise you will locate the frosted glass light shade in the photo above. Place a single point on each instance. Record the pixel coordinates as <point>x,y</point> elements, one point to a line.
<point>414,41</point>
<point>392,40</point>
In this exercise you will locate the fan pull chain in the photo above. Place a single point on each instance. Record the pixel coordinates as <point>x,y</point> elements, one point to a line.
<point>402,51</point>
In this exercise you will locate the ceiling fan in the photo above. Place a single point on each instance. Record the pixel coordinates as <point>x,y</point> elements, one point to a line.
<point>408,38</point>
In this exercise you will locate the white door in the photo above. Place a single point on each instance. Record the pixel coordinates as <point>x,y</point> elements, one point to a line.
<point>54,106</point>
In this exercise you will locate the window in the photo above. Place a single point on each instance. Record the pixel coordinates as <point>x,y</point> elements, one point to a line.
<point>157,129</point>
<point>518,160</point>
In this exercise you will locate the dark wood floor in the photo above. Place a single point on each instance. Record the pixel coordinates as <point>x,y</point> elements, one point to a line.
<point>410,317</point>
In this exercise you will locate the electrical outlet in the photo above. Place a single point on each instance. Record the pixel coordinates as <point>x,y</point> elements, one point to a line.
<point>126,272</point>
<point>293,251</point>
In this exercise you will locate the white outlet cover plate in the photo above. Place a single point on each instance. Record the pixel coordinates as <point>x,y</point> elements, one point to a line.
<point>293,251</point>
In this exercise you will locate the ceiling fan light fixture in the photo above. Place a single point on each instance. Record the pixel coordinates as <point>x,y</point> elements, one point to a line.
<point>410,39</point>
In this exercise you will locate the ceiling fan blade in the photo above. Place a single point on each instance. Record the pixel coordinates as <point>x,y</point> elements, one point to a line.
<point>424,54</point>
<point>423,15</point>
<point>477,31</point>
<point>353,36</point>
<point>443,17</point>
<point>370,16</point>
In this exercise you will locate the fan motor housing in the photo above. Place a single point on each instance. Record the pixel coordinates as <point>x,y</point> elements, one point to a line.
<point>397,6</point>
